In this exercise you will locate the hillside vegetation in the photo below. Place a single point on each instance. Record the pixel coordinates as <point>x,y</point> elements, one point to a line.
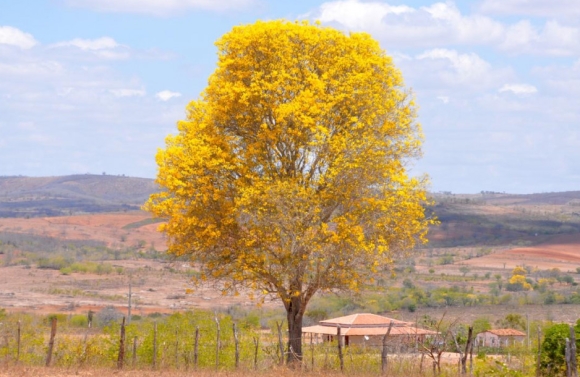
<point>493,219</point>
<point>58,196</point>
<point>54,232</point>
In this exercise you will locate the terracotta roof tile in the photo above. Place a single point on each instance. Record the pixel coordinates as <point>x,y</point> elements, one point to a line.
<point>506,332</point>
<point>362,319</point>
<point>371,331</point>
<point>366,324</point>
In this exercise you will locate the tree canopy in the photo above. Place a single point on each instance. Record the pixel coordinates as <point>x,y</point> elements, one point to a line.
<point>288,175</point>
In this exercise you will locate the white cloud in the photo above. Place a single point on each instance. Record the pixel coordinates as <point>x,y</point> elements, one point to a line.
<point>519,88</point>
<point>554,39</point>
<point>560,80</point>
<point>442,24</point>
<point>103,43</point>
<point>443,99</point>
<point>15,37</point>
<point>166,95</point>
<point>29,68</point>
<point>540,8</point>
<point>127,92</point>
<point>404,26</point>
<point>104,47</point>
<point>355,15</point>
<point>467,67</point>
<point>159,7</point>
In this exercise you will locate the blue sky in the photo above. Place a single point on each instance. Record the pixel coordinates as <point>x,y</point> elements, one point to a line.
<point>92,86</point>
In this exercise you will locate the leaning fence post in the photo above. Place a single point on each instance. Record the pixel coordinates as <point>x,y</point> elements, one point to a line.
<point>340,356</point>
<point>468,345</point>
<point>196,347</point>
<point>256,344</point>
<point>51,341</point>
<point>384,353</point>
<point>121,357</point>
<point>237,346</point>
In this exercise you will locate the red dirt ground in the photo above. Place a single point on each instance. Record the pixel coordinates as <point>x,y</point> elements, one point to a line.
<point>561,252</point>
<point>155,286</point>
<point>103,227</point>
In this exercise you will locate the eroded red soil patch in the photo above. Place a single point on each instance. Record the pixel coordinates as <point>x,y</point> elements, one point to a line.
<point>108,228</point>
<point>561,252</point>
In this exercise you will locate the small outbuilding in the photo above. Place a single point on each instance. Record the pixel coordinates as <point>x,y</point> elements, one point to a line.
<point>500,338</point>
<point>365,329</point>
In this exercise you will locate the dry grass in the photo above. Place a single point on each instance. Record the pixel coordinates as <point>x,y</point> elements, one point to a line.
<point>25,371</point>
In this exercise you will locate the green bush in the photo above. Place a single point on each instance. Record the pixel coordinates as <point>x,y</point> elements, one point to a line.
<point>553,347</point>
<point>55,263</point>
<point>79,320</point>
<point>60,318</point>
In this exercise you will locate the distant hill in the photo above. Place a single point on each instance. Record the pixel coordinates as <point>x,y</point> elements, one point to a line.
<point>466,220</point>
<point>74,194</point>
<point>499,219</point>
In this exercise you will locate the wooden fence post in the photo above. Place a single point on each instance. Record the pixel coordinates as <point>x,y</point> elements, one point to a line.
<point>567,357</point>
<point>196,347</point>
<point>176,349</point>
<point>573,363</point>
<point>384,353</point>
<point>468,345</point>
<point>134,356</point>
<point>311,352</point>
<point>256,344</point>
<point>129,303</point>
<point>340,356</point>
<point>154,344</point>
<point>280,343</point>
<point>471,358</point>
<point>217,343</point>
<point>237,346</point>
<point>327,346</point>
<point>538,360</point>
<point>18,342</point>
<point>121,357</point>
<point>51,341</point>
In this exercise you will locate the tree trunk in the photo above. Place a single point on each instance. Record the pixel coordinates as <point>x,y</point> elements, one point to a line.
<point>294,315</point>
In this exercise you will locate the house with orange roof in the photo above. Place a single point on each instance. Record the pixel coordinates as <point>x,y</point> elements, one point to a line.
<point>499,338</point>
<point>365,328</point>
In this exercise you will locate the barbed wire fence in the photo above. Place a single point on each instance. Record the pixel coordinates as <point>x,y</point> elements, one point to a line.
<point>185,346</point>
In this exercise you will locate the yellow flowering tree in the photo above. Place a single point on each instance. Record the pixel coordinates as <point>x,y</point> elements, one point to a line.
<point>288,175</point>
<point>518,280</point>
